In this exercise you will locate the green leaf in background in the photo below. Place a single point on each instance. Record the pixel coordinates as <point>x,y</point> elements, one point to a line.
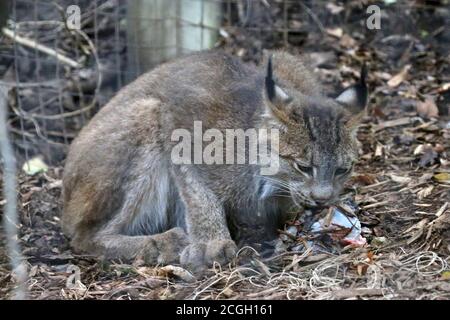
<point>34,165</point>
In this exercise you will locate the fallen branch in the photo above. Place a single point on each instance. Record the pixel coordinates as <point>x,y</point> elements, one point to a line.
<point>40,47</point>
<point>353,293</point>
<point>393,123</point>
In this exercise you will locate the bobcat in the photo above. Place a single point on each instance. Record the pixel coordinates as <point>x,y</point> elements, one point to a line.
<point>124,198</point>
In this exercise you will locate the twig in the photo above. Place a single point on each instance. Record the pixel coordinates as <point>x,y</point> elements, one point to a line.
<point>92,104</point>
<point>287,234</point>
<point>375,205</point>
<point>394,123</point>
<point>40,47</point>
<point>442,210</point>
<point>371,186</point>
<point>10,210</point>
<point>50,84</point>
<point>314,17</point>
<point>352,293</point>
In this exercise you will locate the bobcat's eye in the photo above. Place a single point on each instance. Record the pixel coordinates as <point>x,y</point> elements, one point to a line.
<point>342,171</point>
<point>303,169</point>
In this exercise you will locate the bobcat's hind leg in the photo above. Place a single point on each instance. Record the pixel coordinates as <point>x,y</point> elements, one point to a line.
<point>161,248</point>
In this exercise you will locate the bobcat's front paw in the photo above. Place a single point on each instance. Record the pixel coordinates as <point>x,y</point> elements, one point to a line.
<point>203,254</point>
<point>165,248</point>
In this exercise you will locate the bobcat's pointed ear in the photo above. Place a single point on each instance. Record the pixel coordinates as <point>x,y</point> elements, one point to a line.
<point>354,98</point>
<point>276,98</point>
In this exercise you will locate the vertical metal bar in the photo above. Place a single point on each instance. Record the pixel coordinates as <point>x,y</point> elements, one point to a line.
<point>60,93</point>
<point>202,24</point>
<point>229,12</point>
<point>133,61</point>
<point>95,43</point>
<point>178,27</point>
<point>17,79</point>
<point>37,75</point>
<point>77,55</point>
<point>285,23</point>
<point>117,40</point>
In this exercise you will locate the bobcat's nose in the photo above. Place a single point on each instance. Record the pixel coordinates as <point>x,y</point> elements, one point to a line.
<point>322,195</point>
<point>320,202</point>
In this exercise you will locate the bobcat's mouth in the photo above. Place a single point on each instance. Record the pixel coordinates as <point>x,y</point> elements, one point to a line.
<point>303,201</point>
<point>314,205</point>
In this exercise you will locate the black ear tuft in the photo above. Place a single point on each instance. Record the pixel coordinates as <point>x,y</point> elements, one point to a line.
<point>363,74</point>
<point>361,87</point>
<point>269,82</point>
<point>355,97</point>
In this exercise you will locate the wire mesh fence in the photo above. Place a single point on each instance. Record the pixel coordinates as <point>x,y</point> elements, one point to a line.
<point>59,76</point>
